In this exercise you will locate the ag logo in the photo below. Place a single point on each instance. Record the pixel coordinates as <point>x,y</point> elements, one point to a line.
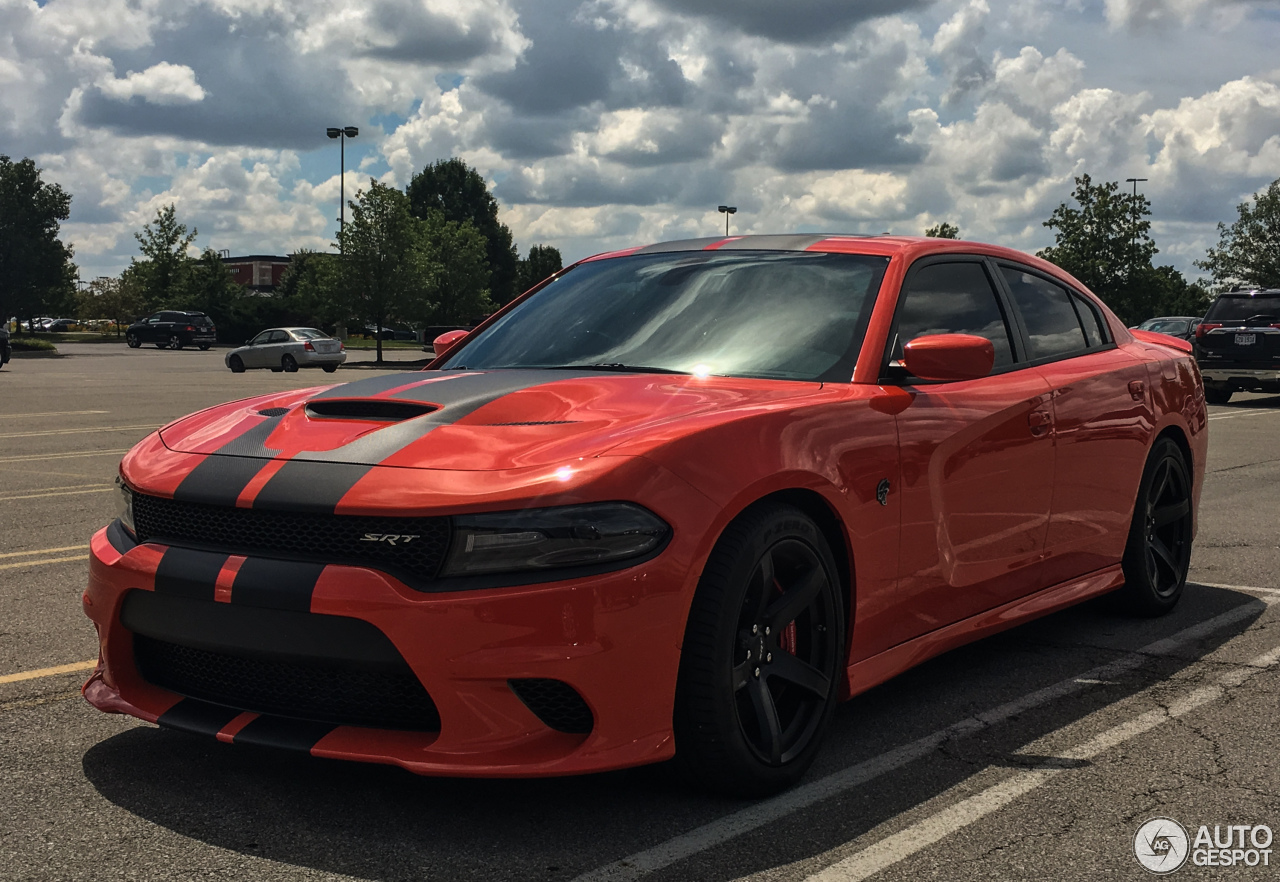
<point>389,538</point>
<point>1161,845</point>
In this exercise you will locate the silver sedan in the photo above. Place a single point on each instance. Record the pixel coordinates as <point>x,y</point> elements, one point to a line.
<point>287,349</point>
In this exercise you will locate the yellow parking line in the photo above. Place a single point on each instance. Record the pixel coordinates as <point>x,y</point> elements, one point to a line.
<point>70,455</point>
<point>103,489</point>
<point>45,551</point>
<point>38,563</point>
<point>74,431</point>
<point>49,672</point>
<point>18,416</point>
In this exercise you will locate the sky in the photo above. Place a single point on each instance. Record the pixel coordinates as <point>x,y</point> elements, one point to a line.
<point>601,124</point>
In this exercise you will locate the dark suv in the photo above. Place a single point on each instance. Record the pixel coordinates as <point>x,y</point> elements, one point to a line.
<point>172,329</point>
<point>1238,344</point>
<point>6,351</point>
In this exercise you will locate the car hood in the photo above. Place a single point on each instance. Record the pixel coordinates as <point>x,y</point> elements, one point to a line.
<point>475,420</point>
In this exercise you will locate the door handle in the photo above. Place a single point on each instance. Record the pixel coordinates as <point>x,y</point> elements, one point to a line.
<point>1039,421</point>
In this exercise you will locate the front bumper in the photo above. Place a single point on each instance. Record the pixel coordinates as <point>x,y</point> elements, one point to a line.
<point>613,638</point>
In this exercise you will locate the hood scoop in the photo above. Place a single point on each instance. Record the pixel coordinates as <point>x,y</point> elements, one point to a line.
<point>374,409</point>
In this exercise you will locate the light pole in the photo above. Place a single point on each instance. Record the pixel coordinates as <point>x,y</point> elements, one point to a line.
<point>727,210</point>
<point>342,135</point>
<point>1133,238</point>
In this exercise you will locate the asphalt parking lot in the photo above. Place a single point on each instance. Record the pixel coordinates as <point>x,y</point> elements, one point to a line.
<point>1033,754</point>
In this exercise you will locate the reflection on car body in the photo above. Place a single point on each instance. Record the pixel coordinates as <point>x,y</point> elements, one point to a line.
<point>681,500</point>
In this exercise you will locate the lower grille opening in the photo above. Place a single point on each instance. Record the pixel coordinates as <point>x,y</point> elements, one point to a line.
<point>343,693</point>
<point>555,703</point>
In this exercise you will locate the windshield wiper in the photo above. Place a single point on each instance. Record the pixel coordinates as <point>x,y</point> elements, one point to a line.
<point>616,366</point>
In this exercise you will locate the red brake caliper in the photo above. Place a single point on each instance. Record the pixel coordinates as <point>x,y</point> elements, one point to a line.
<point>787,639</point>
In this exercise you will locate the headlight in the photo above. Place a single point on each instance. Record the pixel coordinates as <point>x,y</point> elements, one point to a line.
<point>124,505</point>
<point>551,538</point>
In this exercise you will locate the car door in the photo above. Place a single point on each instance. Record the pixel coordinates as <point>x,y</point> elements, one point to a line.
<point>977,457</point>
<point>147,333</point>
<point>277,345</point>
<point>254,355</point>
<point>1102,421</point>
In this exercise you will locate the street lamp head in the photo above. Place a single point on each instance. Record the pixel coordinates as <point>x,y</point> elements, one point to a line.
<point>332,132</point>
<point>728,209</point>
<point>351,131</point>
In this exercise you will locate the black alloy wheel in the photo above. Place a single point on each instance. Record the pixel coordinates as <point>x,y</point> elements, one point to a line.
<point>236,364</point>
<point>287,362</point>
<point>763,655</point>
<point>204,347</point>
<point>329,368</point>
<point>1158,554</point>
<point>132,341</point>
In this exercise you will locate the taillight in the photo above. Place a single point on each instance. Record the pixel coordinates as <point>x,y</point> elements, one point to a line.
<point>307,346</point>
<point>342,347</point>
<point>189,328</point>
<point>1203,329</point>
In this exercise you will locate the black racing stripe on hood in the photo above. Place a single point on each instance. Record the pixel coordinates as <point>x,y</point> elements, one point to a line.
<point>372,386</point>
<point>191,715</point>
<point>283,732</point>
<point>184,572</point>
<point>276,584</point>
<point>309,486</point>
<point>221,477</point>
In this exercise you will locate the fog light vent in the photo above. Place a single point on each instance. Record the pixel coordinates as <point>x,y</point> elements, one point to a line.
<point>555,703</point>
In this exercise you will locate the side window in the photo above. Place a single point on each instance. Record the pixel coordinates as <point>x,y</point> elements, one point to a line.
<point>1094,328</point>
<point>1053,328</point>
<point>278,337</point>
<point>154,319</point>
<point>260,339</point>
<point>952,298</point>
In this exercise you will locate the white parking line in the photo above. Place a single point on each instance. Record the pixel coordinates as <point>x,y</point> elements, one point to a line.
<point>753,817</point>
<point>924,833</point>
<point>19,416</point>
<point>1243,413</point>
<point>98,489</point>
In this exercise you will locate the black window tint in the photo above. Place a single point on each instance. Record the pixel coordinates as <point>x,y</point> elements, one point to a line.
<point>1092,322</point>
<point>1052,325</point>
<point>953,298</point>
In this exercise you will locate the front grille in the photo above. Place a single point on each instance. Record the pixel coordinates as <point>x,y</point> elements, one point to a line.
<point>347,694</point>
<point>555,703</point>
<point>319,537</point>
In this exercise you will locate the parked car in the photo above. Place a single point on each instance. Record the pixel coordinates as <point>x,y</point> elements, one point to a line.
<point>389,333</point>
<point>682,500</point>
<point>287,349</point>
<point>6,349</point>
<point>1238,344</point>
<point>63,324</point>
<point>172,329</point>
<point>1181,326</point>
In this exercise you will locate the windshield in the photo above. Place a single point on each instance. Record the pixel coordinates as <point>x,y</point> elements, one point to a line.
<point>781,315</point>
<point>1169,326</point>
<point>1242,307</point>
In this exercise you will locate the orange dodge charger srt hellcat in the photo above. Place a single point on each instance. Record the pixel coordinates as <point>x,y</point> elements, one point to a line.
<point>678,500</point>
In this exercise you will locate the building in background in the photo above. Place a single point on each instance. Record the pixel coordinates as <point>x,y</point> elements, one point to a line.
<point>257,272</point>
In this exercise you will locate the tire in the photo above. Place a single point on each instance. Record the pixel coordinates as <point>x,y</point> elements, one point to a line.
<point>175,342</point>
<point>287,364</point>
<point>329,368</point>
<point>762,655</point>
<point>1158,554</point>
<point>132,341</point>
<point>1214,395</point>
<point>204,347</point>
<point>236,364</point>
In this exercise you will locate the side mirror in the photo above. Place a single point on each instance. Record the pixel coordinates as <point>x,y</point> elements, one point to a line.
<point>447,341</point>
<point>248,342</point>
<point>949,357</point>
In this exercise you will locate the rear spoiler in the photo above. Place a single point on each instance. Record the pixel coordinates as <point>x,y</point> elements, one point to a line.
<point>1163,340</point>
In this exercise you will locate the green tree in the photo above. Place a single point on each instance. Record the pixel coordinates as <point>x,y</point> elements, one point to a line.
<point>1105,242</point>
<point>385,268</point>
<point>543,261</point>
<point>943,230</point>
<point>163,273</point>
<point>459,291</point>
<point>458,192</point>
<point>309,289</point>
<point>1248,251</point>
<point>36,272</point>
<point>109,298</point>
<point>208,286</point>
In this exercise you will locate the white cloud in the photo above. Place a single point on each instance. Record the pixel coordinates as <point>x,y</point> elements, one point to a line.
<point>163,83</point>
